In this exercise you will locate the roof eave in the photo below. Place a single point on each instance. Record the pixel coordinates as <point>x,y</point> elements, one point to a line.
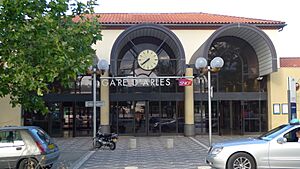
<point>202,25</point>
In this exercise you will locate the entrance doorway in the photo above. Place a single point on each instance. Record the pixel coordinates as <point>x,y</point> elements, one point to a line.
<point>77,119</point>
<point>230,117</point>
<point>147,118</point>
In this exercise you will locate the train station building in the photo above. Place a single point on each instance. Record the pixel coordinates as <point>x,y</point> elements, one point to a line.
<point>152,87</point>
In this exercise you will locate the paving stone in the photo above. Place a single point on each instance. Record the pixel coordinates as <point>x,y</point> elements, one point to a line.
<point>150,153</point>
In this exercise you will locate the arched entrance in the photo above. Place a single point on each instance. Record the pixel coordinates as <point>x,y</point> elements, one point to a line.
<point>240,92</point>
<point>144,51</point>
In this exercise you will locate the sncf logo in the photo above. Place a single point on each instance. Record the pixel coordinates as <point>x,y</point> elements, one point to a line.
<point>184,82</point>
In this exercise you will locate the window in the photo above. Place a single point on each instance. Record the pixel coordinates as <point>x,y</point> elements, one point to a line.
<point>239,59</point>
<point>10,136</point>
<point>291,136</point>
<point>274,132</point>
<point>127,61</point>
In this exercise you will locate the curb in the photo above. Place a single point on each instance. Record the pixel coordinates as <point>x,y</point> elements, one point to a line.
<point>199,143</point>
<point>82,160</point>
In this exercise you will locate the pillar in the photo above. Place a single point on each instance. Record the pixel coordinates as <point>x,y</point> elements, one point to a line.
<point>189,127</point>
<point>104,110</point>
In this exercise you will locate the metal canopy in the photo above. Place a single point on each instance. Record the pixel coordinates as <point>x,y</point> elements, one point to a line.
<point>261,43</point>
<point>148,30</point>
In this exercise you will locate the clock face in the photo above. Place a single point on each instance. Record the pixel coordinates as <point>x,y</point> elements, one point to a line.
<point>147,59</point>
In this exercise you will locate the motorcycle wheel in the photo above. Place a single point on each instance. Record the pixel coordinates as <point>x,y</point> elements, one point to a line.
<point>112,146</point>
<point>97,144</point>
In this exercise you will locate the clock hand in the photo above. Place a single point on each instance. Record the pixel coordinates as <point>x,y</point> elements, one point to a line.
<point>145,61</point>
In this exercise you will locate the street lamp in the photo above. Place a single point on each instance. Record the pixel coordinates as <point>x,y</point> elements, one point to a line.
<point>215,65</point>
<point>103,66</point>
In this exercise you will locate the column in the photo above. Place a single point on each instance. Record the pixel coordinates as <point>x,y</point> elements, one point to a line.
<point>189,127</point>
<point>104,110</point>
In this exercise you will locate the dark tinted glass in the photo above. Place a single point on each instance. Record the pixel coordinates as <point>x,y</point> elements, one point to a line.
<point>240,60</point>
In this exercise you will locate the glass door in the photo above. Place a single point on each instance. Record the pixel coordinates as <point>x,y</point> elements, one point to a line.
<point>140,116</point>
<point>55,122</point>
<point>83,120</point>
<point>147,118</point>
<point>236,117</point>
<point>230,118</point>
<point>252,117</point>
<point>153,118</point>
<point>125,117</point>
<point>68,120</point>
<point>168,117</point>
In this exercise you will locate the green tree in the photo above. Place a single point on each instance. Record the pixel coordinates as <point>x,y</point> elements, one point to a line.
<point>40,43</point>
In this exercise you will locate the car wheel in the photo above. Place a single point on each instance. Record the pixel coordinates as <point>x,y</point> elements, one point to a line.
<point>241,161</point>
<point>28,163</point>
<point>112,145</point>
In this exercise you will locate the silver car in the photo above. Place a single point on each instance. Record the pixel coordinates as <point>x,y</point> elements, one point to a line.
<point>26,147</point>
<point>278,148</point>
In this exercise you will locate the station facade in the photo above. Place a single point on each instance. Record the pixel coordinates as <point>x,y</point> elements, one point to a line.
<point>153,88</point>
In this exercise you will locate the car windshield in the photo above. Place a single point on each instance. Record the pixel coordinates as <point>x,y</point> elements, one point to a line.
<point>274,132</point>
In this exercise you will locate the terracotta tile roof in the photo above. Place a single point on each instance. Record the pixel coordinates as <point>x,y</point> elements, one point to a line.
<point>178,19</point>
<point>290,62</point>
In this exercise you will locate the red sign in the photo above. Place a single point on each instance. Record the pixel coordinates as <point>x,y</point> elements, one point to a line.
<point>184,82</point>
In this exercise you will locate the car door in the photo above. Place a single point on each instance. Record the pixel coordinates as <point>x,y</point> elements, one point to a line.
<point>285,155</point>
<point>11,148</point>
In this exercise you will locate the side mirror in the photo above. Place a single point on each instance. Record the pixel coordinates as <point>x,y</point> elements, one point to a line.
<point>281,140</point>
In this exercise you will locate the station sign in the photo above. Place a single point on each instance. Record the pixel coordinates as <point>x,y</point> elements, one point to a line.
<point>145,81</point>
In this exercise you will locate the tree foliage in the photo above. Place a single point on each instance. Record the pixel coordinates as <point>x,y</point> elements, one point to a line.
<point>41,43</point>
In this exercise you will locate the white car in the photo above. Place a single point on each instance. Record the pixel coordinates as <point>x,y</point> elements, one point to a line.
<point>27,147</point>
<point>278,148</point>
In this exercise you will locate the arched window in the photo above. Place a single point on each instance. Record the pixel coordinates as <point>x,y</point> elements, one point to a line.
<point>127,59</point>
<point>240,70</point>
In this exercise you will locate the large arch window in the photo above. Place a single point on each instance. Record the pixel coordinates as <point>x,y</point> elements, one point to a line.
<point>240,70</point>
<point>138,38</point>
<point>127,59</point>
<point>127,63</point>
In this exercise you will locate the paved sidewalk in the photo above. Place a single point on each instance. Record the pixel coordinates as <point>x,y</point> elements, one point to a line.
<point>72,149</point>
<point>150,153</point>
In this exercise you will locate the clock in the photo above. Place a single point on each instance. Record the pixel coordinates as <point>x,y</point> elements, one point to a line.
<point>147,59</point>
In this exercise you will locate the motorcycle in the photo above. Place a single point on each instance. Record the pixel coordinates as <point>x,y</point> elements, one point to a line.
<point>105,139</point>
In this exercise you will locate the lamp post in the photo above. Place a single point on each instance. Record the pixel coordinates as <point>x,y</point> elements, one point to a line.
<point>216,64</point>
<point>103,66</point>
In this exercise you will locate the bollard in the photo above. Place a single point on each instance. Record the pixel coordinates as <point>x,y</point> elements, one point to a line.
<point>170,143</point>
<point>131,167</point>
<point>132,143</point>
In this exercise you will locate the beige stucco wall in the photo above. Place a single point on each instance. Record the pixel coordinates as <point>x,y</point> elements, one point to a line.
<point>277,94</point>
<point>9,115</point>
<point>191,40</point>
<point>103,48</point>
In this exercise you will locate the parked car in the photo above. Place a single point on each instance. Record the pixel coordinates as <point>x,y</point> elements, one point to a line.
<point>278,148</point>
<point>26,147</point>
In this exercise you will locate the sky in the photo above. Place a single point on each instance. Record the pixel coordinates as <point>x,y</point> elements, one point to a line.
<point>279,10</point>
